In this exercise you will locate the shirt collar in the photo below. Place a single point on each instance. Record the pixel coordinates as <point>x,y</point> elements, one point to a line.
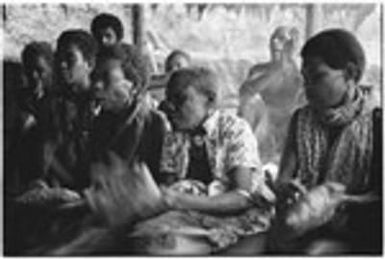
<point>211,122</point>
<point>209,125</point>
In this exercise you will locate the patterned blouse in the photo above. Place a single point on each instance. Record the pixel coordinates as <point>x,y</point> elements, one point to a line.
<point>229,143</point>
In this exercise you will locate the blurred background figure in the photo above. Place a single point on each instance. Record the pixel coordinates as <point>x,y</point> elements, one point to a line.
<point>37,59</point>
<point>107,29</point>
<point>271,92</point>
<point>176,60</point>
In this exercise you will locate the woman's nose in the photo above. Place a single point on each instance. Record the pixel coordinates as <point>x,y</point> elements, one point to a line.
<point>63,64</point>
<point>105,40</point>
<point>98,86</point>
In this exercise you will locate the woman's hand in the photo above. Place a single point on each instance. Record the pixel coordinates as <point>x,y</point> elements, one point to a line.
<point>170,197</point>
<point>288,193</point>
<point>123,193</point>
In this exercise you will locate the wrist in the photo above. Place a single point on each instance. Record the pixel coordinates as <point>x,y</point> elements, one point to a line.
<point>170,199</point>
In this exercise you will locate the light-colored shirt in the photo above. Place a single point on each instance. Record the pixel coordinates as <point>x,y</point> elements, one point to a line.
<point>229,142</point>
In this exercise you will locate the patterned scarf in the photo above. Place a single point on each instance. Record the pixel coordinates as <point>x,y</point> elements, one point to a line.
<point>335,144</point>
<point>338,117</point>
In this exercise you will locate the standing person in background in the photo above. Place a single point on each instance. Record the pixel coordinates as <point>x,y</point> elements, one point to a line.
<point>271,92</point>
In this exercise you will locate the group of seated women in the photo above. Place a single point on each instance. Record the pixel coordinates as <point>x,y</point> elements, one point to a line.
<point>97,167</point>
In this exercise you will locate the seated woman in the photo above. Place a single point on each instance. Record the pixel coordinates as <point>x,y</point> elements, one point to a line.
<point>127,124</point>
<point>59,167</point>
<point>37,60</point>
<point>24,110</point>
<point>210,174</point>
<point>330,140</point>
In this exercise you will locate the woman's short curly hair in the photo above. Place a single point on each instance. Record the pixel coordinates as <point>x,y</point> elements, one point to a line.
<point>339,49</point>
<point>202,79</point>
<point>134,63</point>
<point>105,20</point>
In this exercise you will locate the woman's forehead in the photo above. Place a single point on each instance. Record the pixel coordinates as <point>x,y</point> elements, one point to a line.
<point>70,47</point>
<point>107,30</point>
<point>181,90</point>
<point>316,64</point>
<point>312,63</point>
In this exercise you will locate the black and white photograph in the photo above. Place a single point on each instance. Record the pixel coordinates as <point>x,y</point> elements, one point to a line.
<point>192,129</point>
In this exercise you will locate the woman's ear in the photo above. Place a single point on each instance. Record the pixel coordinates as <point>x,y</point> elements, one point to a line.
<point>91,64</point>
<point>351,71</point>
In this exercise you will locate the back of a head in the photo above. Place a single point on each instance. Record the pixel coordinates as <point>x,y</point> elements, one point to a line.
<point>339,49</point>
<point>202,79</point>
<point>81,39</point>
<point>105,20</point>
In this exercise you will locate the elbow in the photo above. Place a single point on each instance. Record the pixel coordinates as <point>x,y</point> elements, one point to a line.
<point>243,201</point>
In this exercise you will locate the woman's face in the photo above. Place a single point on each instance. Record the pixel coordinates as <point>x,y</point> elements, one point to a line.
<point>73,68</point>
<point>177,63</point>
<point>186,107</point>
<point>112,88</point>
<point>39,75</point>
<point>107,37</point>
<point>324,86</point>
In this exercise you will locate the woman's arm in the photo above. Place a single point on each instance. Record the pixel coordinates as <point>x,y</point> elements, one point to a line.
<point>232,201</point>
<point>263,77</point>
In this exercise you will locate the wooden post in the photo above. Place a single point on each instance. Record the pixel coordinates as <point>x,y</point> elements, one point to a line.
<point>313,19</point>
<point>382,32</point>
<point>4,13</point>
<point>138,30</point>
